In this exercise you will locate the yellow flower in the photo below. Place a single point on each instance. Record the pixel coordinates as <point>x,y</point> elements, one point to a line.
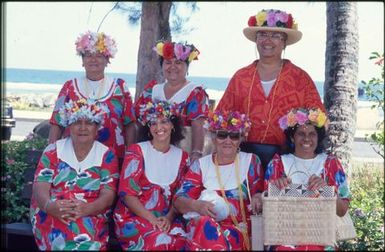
<point>321,119</point>
<point>234,121</point>
<point>261,18</point>
<point>313,114</point>
<point>159,48</point>
<point>193,55</point>
<point>295,26</point>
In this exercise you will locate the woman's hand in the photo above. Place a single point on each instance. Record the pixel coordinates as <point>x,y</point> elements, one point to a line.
<point>204,207</point>
<point>163,223</point>
<point>281,182</point>
<point>61,209</point>
<point>79,210</point>
<point>315,183</point>
<point>256,203</point>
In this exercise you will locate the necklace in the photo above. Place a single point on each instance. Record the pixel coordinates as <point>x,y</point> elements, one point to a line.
<point>100,88</point>
<point>272,102</point>
<point>301,168</point>
<point>243,226</point>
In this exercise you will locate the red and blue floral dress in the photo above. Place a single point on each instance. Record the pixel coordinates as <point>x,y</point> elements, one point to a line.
<point>70,179</point>
<point>152,177</point>
<point>324,165</point>
<point>205,233</point>
<point>115,94</point>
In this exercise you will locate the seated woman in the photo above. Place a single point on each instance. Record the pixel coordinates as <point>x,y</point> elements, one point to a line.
<point>151,172</point>
<point>75,183</point>
<point>220,190</point>
<point>306,162</point>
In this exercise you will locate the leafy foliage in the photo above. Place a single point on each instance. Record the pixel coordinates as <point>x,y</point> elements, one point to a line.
<point>374,89</point>
<point>367,209</point>
<point>14,156</point>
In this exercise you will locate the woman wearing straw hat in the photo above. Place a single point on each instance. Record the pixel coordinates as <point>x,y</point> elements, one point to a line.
<point>220,190</point>
<point>306,162</point>
<point>75,184</point>
<point>117,131</point>
<point>271,85</point>
<point>175,59</point>
<point>151,172</point>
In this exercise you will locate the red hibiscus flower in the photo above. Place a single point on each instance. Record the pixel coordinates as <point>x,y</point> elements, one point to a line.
<point>252,21</point>
<point>168,51</point>
<point>289,23</point>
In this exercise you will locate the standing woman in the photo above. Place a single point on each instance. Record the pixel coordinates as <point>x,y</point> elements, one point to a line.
<point>175,59</point>
<point>117,131</point>
<point>75,184</point>
<point>267,88</point>
<point>220,190</point>
<point>306,163</point>
<point>151,172</point>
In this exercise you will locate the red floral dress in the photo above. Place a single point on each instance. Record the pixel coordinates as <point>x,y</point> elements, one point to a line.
<point>153,177</point>
<point>331,171</point>
<point>86,233</point>
<point>118,99</point>
<point>192,97</point>
<point>203,232</point>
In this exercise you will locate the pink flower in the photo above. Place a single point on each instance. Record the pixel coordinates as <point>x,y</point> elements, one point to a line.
<point>301,117</point>
<point>10,161</point>
<point>271,19</point>
<point>282,16</point>
<point>283,122</point>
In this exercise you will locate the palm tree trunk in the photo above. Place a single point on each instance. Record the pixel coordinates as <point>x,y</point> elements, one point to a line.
<point>341,68</point>
<point>154,26</point>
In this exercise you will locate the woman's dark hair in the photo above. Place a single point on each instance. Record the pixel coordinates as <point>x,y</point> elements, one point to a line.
<point>289,144</point>
<point>161,62</point>
<point>176,133</point>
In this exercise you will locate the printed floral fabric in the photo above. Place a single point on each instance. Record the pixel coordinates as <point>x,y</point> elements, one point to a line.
<point>294,89</point>
<point>204,233</point>
<point>194,107</point>
<point>134,232</point>
<point>334,176</point>
<point>86,233</point>
<point>119,103</point>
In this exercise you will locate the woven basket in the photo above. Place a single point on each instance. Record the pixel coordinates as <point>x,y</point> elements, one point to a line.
<point>298,220</point>
<point>345,228</point>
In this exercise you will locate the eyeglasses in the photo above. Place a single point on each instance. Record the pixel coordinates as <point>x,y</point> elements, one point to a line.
<point>273,36</point>
<point>222,134</point>
<point>95,55</point>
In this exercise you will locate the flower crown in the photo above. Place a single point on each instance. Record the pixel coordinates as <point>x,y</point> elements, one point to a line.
<point>273,18</point>
<point>96,42</point>
<point>228,120</point>
<point>82,109</point>
<point>303,116</point>
<point>169,50</point>
<point>153,110</point>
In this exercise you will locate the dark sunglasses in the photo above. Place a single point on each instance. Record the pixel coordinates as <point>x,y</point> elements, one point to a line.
<point>222,134</point>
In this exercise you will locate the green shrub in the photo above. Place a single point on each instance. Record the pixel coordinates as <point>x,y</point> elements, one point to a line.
<point>367,209</point>
<point>14,156</point>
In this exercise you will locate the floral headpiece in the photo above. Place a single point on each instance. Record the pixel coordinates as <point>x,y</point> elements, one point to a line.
<point>273,18</point>
<point>82,109</point>
<point>303,116</point>
<point>151,111</point>
<point>183,52</point>
<point>96,42</point>
<point>228,120</point>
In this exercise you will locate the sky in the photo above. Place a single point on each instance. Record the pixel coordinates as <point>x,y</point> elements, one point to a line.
<point>41,35</point>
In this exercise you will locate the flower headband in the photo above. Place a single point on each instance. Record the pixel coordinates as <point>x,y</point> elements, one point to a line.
<point>96,42</point>
<point>183,52</point>
<point>82,109</point>
<point>230,121</point>
<point>273,18</point>
<point>303,116</point>
<point>151,111</point>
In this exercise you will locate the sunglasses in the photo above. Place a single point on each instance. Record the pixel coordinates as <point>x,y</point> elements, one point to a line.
<point>222,134</point>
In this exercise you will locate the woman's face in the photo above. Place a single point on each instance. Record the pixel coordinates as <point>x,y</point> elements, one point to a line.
<point>270,44</point>
<point>305,140</point>
<point>174,70</point>
<point>83,131</point>
<point>161,130</point>
<point>227,142</point>
<point>94,62</point>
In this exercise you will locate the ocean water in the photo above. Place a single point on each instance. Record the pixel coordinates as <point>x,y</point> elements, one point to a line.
<point>50,79</point>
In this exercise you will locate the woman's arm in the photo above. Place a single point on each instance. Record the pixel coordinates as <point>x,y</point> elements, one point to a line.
<point>197,138</point>
<point>184,205</point>
<point>130,133</point>
<point>137,208</point>
<point>55,133</point>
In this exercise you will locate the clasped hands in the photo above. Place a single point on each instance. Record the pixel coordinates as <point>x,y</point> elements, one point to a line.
<point>163,223</point>
<point>67,210</point>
